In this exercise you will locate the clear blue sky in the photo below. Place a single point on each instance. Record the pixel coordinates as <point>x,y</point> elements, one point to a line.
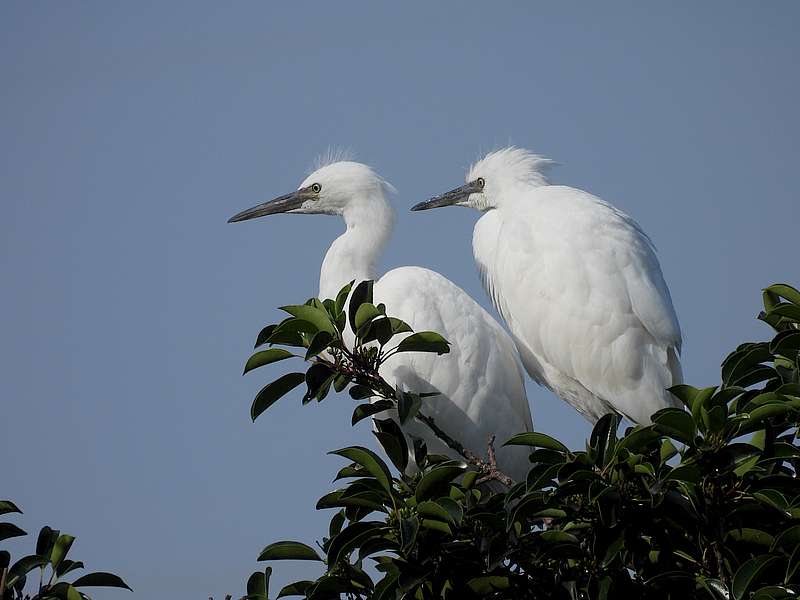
<point>130,132</point>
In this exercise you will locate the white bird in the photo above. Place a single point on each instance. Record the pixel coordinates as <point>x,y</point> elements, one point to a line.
<point>578,283</point>
<point>480,382</point>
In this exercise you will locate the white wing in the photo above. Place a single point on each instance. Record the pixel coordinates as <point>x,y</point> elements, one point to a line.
<point>582,292</point>
<point>480,381</point>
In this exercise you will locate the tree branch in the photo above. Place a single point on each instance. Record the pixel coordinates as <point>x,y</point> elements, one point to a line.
<point>370,377</point>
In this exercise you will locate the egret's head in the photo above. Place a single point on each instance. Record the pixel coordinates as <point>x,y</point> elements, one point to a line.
<point>489,179</point>
<point>328,190</point>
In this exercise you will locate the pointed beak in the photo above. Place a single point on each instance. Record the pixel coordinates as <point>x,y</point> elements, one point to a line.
<point>280,204</point>
<point>450,198</point>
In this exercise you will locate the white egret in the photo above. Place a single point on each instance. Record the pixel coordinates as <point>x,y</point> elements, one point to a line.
<point>578,283</point>
<point>480,382</point>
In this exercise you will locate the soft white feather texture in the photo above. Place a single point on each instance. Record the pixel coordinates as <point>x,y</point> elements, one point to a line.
<point>480,382</point>
<point>580,287</point>
<point>512,164</point>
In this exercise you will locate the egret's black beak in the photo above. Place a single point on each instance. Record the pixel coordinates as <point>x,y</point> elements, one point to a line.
<point>280,204</point>
<point>452,197</point>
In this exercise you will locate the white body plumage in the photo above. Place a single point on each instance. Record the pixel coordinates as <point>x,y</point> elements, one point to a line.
<point>579,285</point>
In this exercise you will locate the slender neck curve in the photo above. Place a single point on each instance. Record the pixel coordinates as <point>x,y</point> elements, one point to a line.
<point>355,253</point>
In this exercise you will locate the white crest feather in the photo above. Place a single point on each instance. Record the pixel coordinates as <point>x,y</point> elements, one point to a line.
<point>333,154</point>
<point>517,163</point>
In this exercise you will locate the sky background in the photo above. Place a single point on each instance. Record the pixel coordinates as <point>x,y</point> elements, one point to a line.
<point>129,133</point>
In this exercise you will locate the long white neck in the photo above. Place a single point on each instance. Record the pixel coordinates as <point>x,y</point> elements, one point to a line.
<point>355,253</point>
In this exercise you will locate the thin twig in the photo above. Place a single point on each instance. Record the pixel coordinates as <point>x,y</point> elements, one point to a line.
<point>488,469</point>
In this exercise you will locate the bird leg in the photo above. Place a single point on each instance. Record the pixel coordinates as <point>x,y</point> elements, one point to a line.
<point>490,469</point>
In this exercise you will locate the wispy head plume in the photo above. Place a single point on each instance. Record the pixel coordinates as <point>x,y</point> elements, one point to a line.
<point>513,163</point>
<point>332,155</point>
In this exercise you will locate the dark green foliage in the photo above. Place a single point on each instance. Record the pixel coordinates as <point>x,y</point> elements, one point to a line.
<point>51,563</point>
<point>703,503</point>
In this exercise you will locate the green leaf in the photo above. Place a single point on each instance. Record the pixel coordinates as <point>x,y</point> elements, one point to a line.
<point>319,378</point>
<point>749,573</point>
<point>792,565</point>
<point>100,579</point>
<point>604,438</point>
<point>298,588</point>
<point>786,291</point>
<point>408,405</point>
<point>341,381</point>
<point>360,392</point>
<point>377,544</point>
<point>409,528</point>
<point>537,440</point>
<point>365,314</point>
<point>717,589</point>
<point>258,585</point>
<point>360,295</point>
<point>773,499</point>
<point>7,506</point>
<point>363,411</point>
<point>9,530</point>
<point>272,392</point>
<point>667,451</point>
<point>488,584</point>
<point>318,317</point>
<point>614,549</point>
<point>264,335</point>
<point>438,479</point>
<point>756,417</point>
<point>25,565</point>
<point>370,461</point>
<point>773,592</point>
<point>352,537</point>
<point>675,423</point>
<point>337,499</point>
<point>47,538</point>
<point>386,328</point>
<point>68,566</point>
<point>266,357</point>
<point>336,523</point>
<point>785,309</point>
<point>393,441</point>
<point>786,343</point>
<point>387,588</point>
<point>289,550</point>
<point>687,473</point>
<point>424,341</point>
<point>341,297</point>
<point>733,456</point>
<point>60,549</point>
<point>751,536</point>
<point>788,539</point>
<point>745,359</point>
<point>690,395</point>
<point>638,439</point>
<point>715,418</point>
<point>454,511</point>
<point>470,477</point>
<point>437,525</point>
<point>290,332</point>
<point>319,343</point>
<point>431,510</point>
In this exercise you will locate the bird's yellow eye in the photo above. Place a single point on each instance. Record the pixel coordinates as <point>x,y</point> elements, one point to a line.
<point>480,181</point>
<point>316,188</point>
